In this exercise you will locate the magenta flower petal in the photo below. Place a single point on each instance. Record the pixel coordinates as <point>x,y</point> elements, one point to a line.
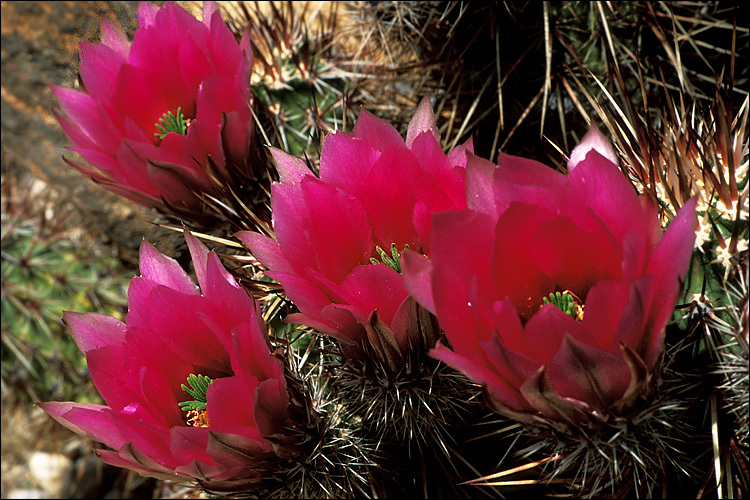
<point>574,257</point>
<point>334,321</point>
<point>158,387</point>
<point>345,161</point>
<point>546,329</point>
<point>84,114</point>
<point>593,140</point>
<point>219,286</point>
<point>291,169</point>
<point>668,266</point>
<point>439,184</point>
<point>634,329</point>
<point>379,134</point>
<point>175,331</point>
<point>422,121</point>
<point>174,61</point>
<point>372,287</point>
<point>99,67</point>
<point>509,329</point>
<point>150,445</point>
<point>334,233</point>
<point>164,270</point>
<point>250,351</point>
<point>147,14</point>
<point>115,38</point>
<point>514,272</point>
<point>214,96</point>
<point>375,196</point>
<point>229,452</point>
<point>190,444</point>
<point>480,178</point>
<point>476,249</point>
<point>455,316</point>
<point>526,181</point>
<point>222,41</point>
<point>512,365</point>
<point>271,400</point>
<point>588,374</point>
<point>112,379</point>
<point>93,331</point>
<point>390,205</point>
<point>618,206</point>
<point>499,388</point>
<point>265,249</point>
<point>90,420</point>
<point>312,297</point>
<point>131,80</point>
<point>337,229</point>
<point>605,305</point>
<point>553,290</point>
<point>417,278</point>
<point>202,142</point>
<point>117,460</point>
<point>448,282</point>
<point>227,405</point>
<point>458,156</point>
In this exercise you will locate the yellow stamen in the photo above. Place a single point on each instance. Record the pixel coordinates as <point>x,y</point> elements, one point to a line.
<point>579,305</point>
<point>197,418</point>
<point>567,301</point>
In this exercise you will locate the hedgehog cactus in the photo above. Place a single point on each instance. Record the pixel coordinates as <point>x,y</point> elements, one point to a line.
<point>336,252</point>
<point>734,363</point>
<point>297,77</point>
<point>583,361</point>
<point>702,151</point>
<point>194,390</point>
<point>403,294</point>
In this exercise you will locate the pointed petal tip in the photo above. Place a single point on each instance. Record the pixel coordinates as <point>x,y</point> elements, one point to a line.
<point>290,168</point>
<point>593,140</point>
<point>422,121</point>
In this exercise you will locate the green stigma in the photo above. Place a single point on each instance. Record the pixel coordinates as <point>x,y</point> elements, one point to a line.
<point>171,123</point>
<point>198,388</point>
<point>393,261</point>
<point>567,302</point>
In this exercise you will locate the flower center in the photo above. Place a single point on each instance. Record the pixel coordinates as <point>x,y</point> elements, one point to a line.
<point>568,302</point>
<point>393,261</point>
<point>196,409</point>
<point>197,418</point>
<point>170,123</point>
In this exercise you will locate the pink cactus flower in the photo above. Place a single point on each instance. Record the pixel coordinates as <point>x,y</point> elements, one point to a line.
<point>149,370</point>
<point>554,291</point>
<point>155,111</point>
<point>339,236</point>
